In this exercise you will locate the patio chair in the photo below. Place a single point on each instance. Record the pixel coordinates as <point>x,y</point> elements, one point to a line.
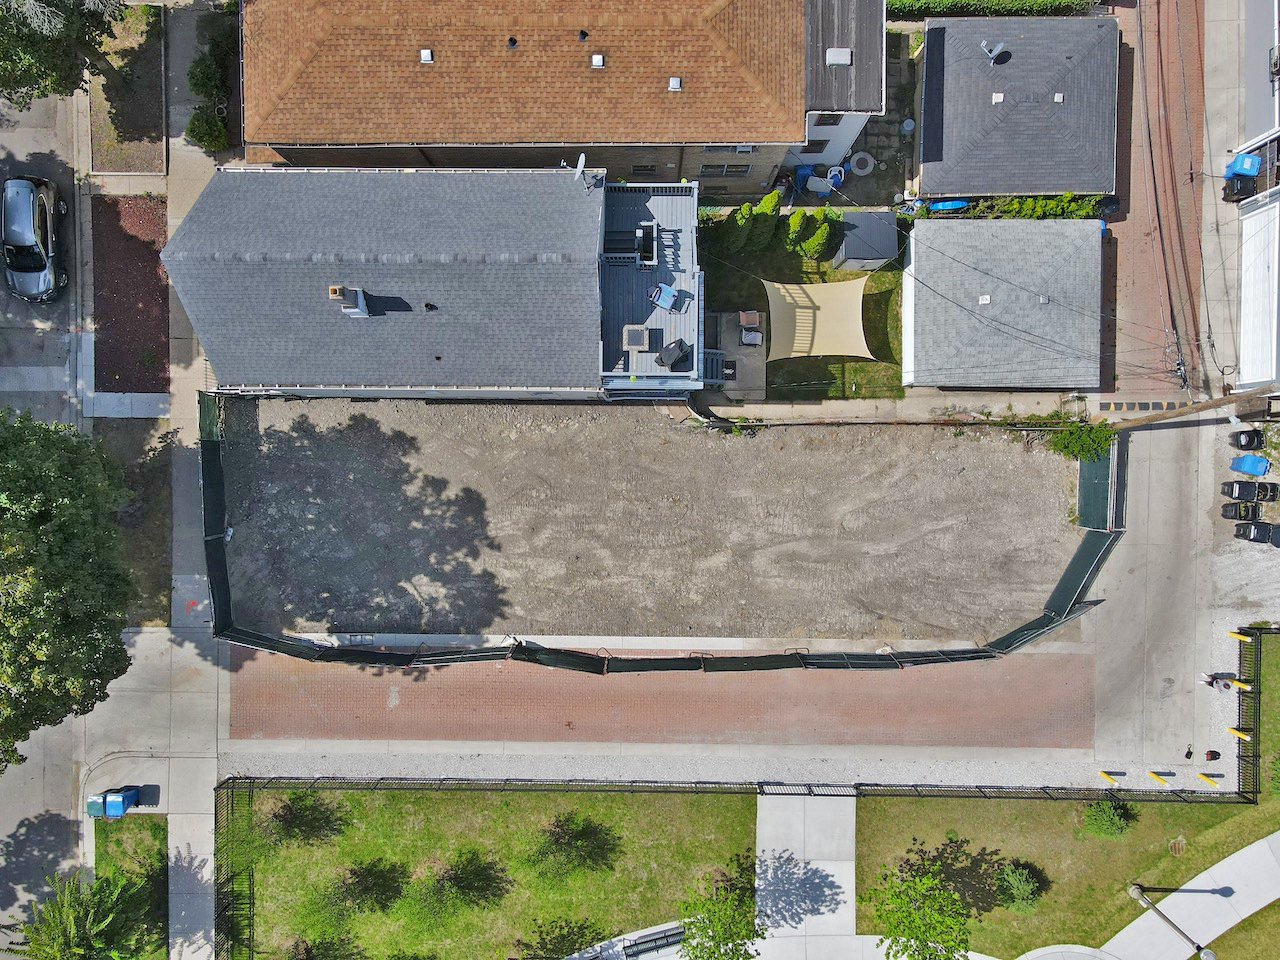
<point>752,338</point>
<point>663,296</point>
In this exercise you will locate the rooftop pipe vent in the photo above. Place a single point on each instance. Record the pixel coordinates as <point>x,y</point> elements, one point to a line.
<point>984,299</point>
<point>511,43</point>
<point>426,56</point>
<point>350,299</point>
<point>673,85</point>
<point>597,61</point>
<point>582,36</point>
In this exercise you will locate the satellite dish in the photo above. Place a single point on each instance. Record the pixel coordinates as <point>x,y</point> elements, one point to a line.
<point>582,165</point>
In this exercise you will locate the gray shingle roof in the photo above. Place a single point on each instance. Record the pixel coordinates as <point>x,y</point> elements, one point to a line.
<point>1016,340</point>
<point>858,25</point>
<point>508,258</point>
<point>1027,144</point>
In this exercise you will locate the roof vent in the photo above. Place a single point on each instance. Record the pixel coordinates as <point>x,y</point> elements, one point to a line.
<point>597,61</point>
<point>1058,98</point>
<point>984,299</point>
<point>582,36</point>
<point>673,85</point>
<point>350,299</point>
<point>1043,298</point>
<point>511,43</point>
<point>426,56</point>
<point>839,56</point>
<point>997,98</point>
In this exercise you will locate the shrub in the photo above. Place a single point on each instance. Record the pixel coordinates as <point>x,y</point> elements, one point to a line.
<point>1065,207</point>
<point>561,937</point>
<point>373,884</point>
<point>1108,818</point>
<point>796,226</point>
<point>1019,888</point>
<point>307,817</point>
<point>914,9</point>
<point>736,228</point>
<point>576,842</point>
<point>207,130</point>
<point>764,221</point>
<point>1083,441</point>
<point>206,79</point>
<point>476,878</point>
<point>816,244</point>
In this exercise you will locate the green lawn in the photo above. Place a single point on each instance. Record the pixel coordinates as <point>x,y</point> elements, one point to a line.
<point>1086,901</point>
<point>138,846</point>
<point>732,282</point>
<point>1254,938</point>
<point>666,842</point>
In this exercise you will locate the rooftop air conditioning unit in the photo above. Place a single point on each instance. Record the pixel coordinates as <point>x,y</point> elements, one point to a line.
<point>839,56</point>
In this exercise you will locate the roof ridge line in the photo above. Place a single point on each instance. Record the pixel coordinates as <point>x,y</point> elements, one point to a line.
<point>719,40</point>
<point>310,49</point>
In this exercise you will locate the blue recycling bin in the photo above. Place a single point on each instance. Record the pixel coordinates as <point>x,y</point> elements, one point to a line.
<point>117,803</point>
<point>1244,165</point>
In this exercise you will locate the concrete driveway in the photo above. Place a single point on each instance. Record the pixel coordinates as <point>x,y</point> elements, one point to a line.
<point>37,362</point>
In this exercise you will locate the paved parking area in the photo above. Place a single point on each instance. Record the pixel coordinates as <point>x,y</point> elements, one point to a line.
<point>410,517</point>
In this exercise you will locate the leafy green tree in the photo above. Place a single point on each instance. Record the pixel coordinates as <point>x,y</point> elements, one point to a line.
<point>736,228</point>
<point>816,245</point>
<point>308,817</point>
<point>1083,441</point>
<point>720,920</point>
<point>44,45</point>
<point>87,921</point>
<point>574,841</point>
<point>764,221</point>
<point>476,878</point>
<point>374,884</point>
<point>63,587</point>
<point>560,937</point>
<point>922,918</point>
<point>797,222</point>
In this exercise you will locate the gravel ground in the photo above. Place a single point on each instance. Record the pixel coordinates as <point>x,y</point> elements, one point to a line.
<point>413,517</point>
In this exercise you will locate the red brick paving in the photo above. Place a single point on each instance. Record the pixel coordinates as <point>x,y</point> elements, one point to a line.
<point>1026,700</point>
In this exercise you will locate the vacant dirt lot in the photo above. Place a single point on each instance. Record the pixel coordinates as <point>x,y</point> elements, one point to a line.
<point>412,517</point>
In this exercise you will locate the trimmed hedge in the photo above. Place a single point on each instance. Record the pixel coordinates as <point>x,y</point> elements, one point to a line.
<point>816,245</point>
<point>914,9</point>
<point>207,130</point>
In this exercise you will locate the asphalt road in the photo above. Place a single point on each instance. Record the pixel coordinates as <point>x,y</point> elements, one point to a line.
<point>35,338</point>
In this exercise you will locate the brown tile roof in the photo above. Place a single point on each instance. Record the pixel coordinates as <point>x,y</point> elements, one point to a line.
<point>348,71</point>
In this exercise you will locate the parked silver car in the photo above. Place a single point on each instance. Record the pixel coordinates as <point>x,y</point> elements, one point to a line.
<point>32,251</point>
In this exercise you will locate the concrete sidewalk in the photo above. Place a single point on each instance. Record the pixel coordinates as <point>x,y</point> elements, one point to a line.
<point>1206,906</point>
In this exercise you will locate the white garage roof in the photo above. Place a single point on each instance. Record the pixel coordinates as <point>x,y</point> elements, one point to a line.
<point>1259,249</point>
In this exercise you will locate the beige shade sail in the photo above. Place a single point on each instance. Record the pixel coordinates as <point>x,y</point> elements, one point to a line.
<point>816,320</point>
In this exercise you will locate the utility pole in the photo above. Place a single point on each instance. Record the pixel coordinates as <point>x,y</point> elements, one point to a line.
<point>1226,401</point>
<point>1138,893</point>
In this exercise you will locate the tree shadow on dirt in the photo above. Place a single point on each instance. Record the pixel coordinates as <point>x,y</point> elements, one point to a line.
<point>973,875</point>
<point>789,890</point>
<point>338,529</point>
<point>133,76</point>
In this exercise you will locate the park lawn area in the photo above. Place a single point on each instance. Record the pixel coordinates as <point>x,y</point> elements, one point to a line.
<point>143,450</point>
<point>667,841</point>
<point>1086,902</point>
<point>137,846</point>
<point>732,282</point>
<point>1253,938</point>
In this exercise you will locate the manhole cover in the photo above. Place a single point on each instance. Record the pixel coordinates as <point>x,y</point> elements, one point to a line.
<point>862,163</point>
<point>1178,846</point>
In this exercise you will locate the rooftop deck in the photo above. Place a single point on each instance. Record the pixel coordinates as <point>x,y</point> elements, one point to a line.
<point>650,238</point>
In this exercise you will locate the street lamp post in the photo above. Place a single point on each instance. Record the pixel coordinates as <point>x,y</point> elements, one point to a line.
<point>1138,893</point>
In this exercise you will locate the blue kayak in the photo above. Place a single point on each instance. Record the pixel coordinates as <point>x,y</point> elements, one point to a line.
<point>1251,465</point>
<point>944,206</point>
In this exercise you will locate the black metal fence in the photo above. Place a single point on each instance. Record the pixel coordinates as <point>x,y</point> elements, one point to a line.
<point>1065,603</point>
